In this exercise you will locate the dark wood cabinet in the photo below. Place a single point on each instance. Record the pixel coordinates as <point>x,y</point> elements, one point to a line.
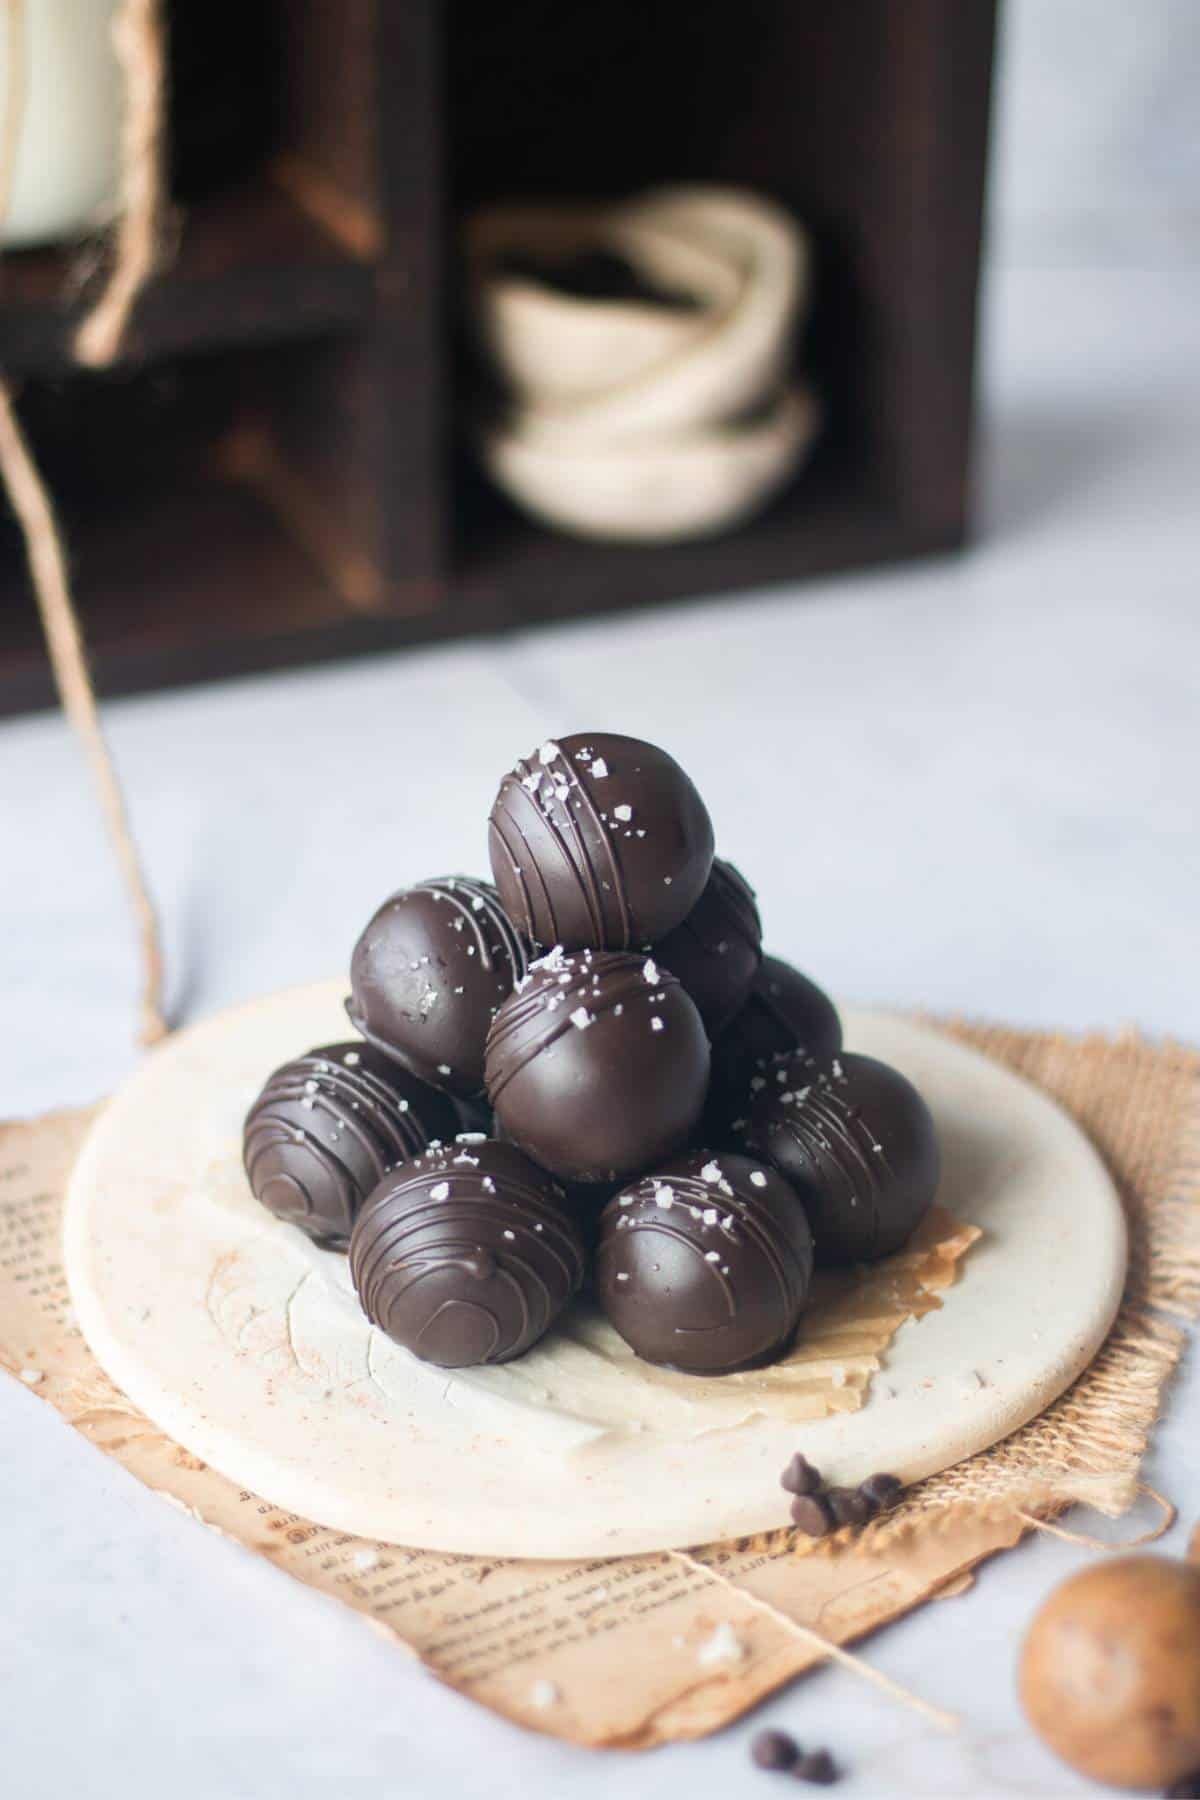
<point>274,470</point>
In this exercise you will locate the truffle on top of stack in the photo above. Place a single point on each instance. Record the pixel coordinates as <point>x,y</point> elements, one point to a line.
<point>605,1012</point>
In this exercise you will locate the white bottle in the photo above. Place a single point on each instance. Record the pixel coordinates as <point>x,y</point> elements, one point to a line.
<point>60,119</point>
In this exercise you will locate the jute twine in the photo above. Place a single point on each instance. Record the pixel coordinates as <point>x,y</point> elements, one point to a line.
<point>139,40</point>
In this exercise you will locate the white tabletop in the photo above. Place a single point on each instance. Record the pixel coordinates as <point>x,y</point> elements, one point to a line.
<point>968,785</point>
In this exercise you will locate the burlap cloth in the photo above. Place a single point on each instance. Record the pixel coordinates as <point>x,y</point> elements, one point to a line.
<point>639,1651</point>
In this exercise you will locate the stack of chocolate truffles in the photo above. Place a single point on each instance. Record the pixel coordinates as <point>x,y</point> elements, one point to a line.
<point>589,1071</point>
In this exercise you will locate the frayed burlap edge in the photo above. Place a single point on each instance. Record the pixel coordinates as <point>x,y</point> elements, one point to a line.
<point>1140,1104</point>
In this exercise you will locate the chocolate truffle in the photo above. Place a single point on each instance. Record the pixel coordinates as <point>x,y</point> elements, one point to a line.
<point>717,950</point>
<point>785,1011</point>
<point>599,842</point>
<point>705,1264</point>
<point>428,974</point>
<point>598,1065</point>
<point>467,1254</point>
<point>330,1125</point>
<point>857,1141</point>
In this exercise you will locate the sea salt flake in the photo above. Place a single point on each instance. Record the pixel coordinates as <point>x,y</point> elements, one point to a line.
<point>352,1059</point>
<point>723,1646</point>
<point>664,1196</point>
<point>471,1137</point>
<point>511,1236</point>
<point>650,971</point>
<point>656,1024</point>
<point>581,1018</point>
<point>711,1172</point>
<point>549,751</point>
<point>621,1277</point>
<point>710,1215</point>
<point>599,768</point>
<point>624,813</point>
<point>712,1256</point>
<point>444,1069</point>
<point>440,1190</point>
<point>757,1178</point>
<point>544,1694</point>
<point>364,1560</point>
<point>31,1377</point>
<point>488,1185</point>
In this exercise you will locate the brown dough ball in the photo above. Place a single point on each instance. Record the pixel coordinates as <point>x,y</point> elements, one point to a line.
<point>1110,1672</point>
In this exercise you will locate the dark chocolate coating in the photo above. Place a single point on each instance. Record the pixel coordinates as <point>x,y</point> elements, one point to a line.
<point>717,950</point>
<point>785,1012</point>
<point>428,974</point>
<point>466,1255</point>
<point>705,1264</point>
<point>858,1142</point>
<point>598,1065</point>
<point>599,842</point>
<point>330,1125</point>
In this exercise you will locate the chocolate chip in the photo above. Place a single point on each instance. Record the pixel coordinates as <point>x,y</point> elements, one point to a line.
<point>812,1514</point>
<point>849,1506</point>
<point>800,1477</point>
<point>774,1750</point>
<point>818,1766</point>
<point>1186,1788</point>
<point>881,1491</point>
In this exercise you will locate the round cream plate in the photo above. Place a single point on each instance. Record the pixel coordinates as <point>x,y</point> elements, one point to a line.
<point>245,1343</point>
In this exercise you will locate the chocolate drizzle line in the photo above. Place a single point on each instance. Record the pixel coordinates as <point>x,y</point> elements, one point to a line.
<point>480,903</point>
<point>830,1131</point>
<point>369,1113</point>
<point>529,1012</point>
<point>579,851</point>
<point>691,1191</point>
<point>464,1236</point>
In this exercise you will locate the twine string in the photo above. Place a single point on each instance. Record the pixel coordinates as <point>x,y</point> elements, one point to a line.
<point>139,41</point>
<point>1167,1511</point>
<point>138,37</point>
<point>48,569</point>
<point>805,1634</point>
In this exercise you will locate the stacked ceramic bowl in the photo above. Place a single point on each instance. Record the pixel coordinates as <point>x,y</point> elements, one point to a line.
<point>666,412</point>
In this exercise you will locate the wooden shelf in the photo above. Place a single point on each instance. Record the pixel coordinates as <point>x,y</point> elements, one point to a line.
<point>268,476</point>
<point>192,624</point>
<point>252,266</point>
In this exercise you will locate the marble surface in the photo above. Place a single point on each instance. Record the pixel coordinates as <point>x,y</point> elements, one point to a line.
<point>968,785</point>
